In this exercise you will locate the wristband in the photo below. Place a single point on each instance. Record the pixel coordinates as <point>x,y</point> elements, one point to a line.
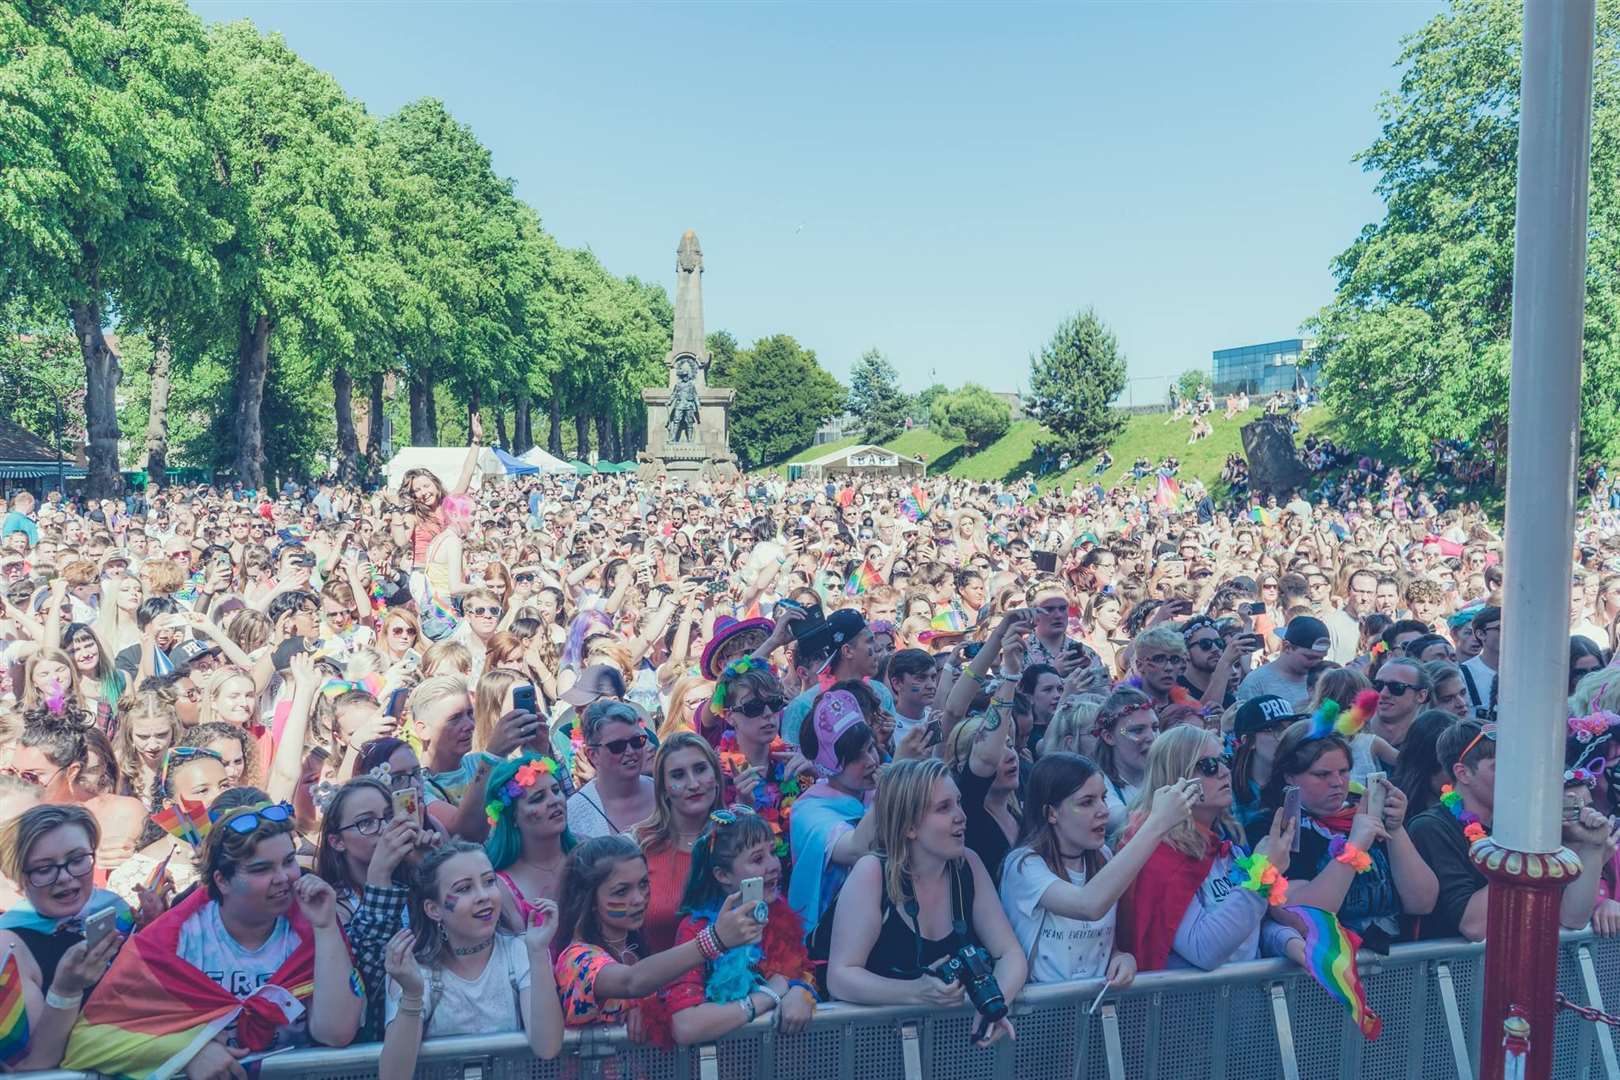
<point>714,932</point>
<point>1255,873</point>
<point>705,944</point>
<point>748,1009</point>
<point>1345,852</point>
<point>806,987</point>
<point>776,999</point>
<point>58,1001</point>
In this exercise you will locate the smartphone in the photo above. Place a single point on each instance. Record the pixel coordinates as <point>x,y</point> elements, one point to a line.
<point>523,698</point>
<point>1256,608</point>
<point>1291,811</point>
<point>407,804</point>
<point>396,702</point>
<point>1045,561</point>
<point>936,732</point>
<point>98,926</point>
<point>1375,795</point>
<point>752,890</point>
<point>971,649</point>
<point>155,878</point>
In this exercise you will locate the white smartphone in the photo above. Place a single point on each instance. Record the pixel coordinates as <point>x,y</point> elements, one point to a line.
<point>752,890</point>
<point>1375,795</point>
<point>98,926</point>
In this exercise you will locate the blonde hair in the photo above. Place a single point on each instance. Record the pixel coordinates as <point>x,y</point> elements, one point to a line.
<point>488,699</point>
<point>162,577</point>
<point>1077,719</point>
<point>445,658</point>
<point>214,687</point>
<point>142,705</point>
<point>19,835</point>
<point>902,801</point>
<point>677,717</point>
<point>250,630</point>
<point>1598,690</point>
<point>1171,761</point>
<point>437,688</point>
<point>1339,685</point>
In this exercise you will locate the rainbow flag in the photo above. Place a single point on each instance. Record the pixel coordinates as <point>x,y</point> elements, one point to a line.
<point>13,1013</point>
<point>153,1011</point>
<point>1168,492</point>
<point>951,621</point>
<point>1330,957</point>
<point>865,577</point>
<point>183,822</point>
<point>1260,515</point>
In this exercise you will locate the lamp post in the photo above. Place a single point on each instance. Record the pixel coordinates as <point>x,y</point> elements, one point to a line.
<point>59,466</point>
<point>1523,858</point>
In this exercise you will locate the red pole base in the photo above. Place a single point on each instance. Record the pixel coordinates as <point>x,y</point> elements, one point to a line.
<point>1521,949</point>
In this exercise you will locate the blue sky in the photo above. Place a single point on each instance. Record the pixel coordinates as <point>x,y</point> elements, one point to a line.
<point>945,182</point>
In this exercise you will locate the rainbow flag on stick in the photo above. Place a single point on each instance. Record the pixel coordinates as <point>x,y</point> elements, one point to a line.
<point>1330,957</point>
<point>13,1014</point>
<point>865,577</point>
<point>184,822</point>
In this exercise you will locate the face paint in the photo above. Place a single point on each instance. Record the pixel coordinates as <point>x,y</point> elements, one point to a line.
<point>616,909</point>
<point>450,903</point>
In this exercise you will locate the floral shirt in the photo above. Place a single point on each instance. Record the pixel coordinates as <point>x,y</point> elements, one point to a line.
<point>576,972</point>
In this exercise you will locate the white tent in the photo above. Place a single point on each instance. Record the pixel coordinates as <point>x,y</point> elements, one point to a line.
<point>442,461</point>
<point>545,462</point>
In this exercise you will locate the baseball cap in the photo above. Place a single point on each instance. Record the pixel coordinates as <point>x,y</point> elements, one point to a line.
<point>191,648</point>
<point>1262,713</point>
<point>1307,632</point>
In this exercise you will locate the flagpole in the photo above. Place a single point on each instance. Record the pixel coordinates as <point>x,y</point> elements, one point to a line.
<point>1523,858</point>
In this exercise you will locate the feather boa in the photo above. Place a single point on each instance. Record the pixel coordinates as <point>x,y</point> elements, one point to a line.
<point>780,952</point>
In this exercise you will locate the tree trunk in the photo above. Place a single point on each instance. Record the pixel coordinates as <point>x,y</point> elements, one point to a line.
<point>627,449</point>
<point>433,412</point>
<point>348,441</point>
<point>604,438</point>
<point>101,375</point>
<point>157,420</point>
<point>582,436</point>
<point>500,428</point>
<point>374,429</point>
<point>422,433</point>
<point>522,425</point>
<point>252,368</point>
<point>554,436</point>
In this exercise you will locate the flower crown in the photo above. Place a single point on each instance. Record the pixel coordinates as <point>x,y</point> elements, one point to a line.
<point>529,774</point>
<point>739,666</point>
<point>1592,726</point>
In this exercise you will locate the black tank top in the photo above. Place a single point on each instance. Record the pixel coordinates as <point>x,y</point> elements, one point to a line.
<point>47,950</point>
<point>901,952</point>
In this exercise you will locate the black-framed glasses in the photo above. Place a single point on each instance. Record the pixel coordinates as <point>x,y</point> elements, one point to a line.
<point>1212,766</point>
<point>271,813</point>
<point>1392,687</point>
<point>760,706</point>
<point>1166,660</point>
<point>44,875</point>
<point>1214,644</point>
<point>399,781</point>
<point>619,746</point>
<point>370,825</point>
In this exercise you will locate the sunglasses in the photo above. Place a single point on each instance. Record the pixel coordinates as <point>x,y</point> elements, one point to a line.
<point>760,706</point>
<point>1211,766</point>
<point>1486,732</point>
<point>486,612</point>
<point>619,746</point>
<point>269,813</point>
<point>523,579</point>
<point>1389,686</point>
<point>1214,644</point>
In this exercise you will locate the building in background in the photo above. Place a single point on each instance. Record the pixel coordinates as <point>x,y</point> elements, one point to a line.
<point>1265,369</point>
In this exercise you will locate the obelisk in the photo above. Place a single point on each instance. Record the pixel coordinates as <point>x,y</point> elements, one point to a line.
<point>687,430</point>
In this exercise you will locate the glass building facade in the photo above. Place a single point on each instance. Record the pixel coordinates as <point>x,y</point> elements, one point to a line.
<point>1265,369</point>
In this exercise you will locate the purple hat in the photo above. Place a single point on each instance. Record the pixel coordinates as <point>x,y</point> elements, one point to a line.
<point>726,628</point>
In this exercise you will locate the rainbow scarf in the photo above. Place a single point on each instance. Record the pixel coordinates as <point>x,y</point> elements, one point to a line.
<point>865,577</point>
<point>1330,957</point>
<point>915,506</point>
<point>13,1013</point>
<point>153,1011</point>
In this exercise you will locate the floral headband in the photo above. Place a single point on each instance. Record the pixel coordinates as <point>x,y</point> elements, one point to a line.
<point>1594,725</point>
<point>739,666</point>
<point>528,775</point>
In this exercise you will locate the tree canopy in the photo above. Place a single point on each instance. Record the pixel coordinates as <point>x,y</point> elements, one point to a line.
<point>876,398</point>
<point>972,414</point>
<point>783,395</point>
<point>1074,380</point>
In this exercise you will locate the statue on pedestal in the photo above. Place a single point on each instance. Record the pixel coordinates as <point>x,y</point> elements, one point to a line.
<point>683,403</point>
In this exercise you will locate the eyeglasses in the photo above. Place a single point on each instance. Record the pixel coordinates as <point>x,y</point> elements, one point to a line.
<point>760,706</point>
<point>486,612</point>
<point>1214,644</point>
<point>619,746</point>
<point>369,825</point>
<point>270,813</point>
<point>1391,687</point>
<point>44,875</point>
<point>1211,766</point>
<point>31,776</point>
<point>523,579</point>
<point>1166,660</point>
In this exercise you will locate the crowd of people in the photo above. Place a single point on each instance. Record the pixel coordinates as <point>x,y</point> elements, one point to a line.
<point>334,766</point>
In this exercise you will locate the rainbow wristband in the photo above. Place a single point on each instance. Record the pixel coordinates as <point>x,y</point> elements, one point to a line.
<point>1345,852</point>
<point>1258,875</point>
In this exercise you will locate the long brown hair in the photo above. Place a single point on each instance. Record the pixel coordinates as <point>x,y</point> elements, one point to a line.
<point>1055,777</point>
<point>588,866</point>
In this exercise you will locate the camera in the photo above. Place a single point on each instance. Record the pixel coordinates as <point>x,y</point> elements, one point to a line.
<point>970,966</point>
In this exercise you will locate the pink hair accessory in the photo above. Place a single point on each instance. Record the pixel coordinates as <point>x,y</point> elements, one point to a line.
<point>836,712</point>
<point>1593,725</point>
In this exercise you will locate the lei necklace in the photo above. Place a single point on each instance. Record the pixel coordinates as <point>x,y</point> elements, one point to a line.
<point>773,796</point>
<point>1473,828</point>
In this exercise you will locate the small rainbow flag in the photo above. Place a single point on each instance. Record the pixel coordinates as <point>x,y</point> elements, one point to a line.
<point>13,1013</point>
<point>865,577</point>
<point>184,822</point>
<point>1260,515</point>
<point>1330,957</point>
<point>1169,490</point>
<point>949,622</point>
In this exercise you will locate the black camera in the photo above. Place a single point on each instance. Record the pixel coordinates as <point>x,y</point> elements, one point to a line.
<point>970,966</point>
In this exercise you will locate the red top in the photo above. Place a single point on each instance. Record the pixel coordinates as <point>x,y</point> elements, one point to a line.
<point>666,869</point>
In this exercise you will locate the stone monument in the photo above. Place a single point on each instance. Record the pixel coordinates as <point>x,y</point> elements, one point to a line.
<point>687,433</point>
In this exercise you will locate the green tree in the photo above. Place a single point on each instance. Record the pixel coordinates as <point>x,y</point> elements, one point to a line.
<point>875,396</point>
<point>783,395</point>
<point>1074,380</point>
<point>722,356</point>
<point>1415,344</point>
<point>922,406</point>
<point>1192,382</point>
<point>972,414</point>
<point>105,178</point>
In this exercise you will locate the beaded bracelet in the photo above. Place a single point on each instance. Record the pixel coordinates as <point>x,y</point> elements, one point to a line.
<point>706,944</point>
<point>1344,851</point>
<point>1258,875</point>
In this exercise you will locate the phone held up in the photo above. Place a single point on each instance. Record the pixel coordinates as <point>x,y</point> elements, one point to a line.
<point>1291,812</point>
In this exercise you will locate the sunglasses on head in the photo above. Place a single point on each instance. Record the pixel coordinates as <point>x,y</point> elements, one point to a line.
<point>619,746</point>
<point>1211,766</point>
<point>760,706</point>
<point>1392,687</point>
<point>1486,732</point>
<point>271,813</point>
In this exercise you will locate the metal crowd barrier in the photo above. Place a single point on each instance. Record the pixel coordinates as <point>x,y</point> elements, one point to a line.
<point>1255,1020</point>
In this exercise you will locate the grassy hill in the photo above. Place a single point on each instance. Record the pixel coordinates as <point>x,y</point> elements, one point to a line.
<point>1153,436</point>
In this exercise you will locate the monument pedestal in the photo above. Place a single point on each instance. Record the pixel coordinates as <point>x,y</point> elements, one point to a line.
<point>707,456</point>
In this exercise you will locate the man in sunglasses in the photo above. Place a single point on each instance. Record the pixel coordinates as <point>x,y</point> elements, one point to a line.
<point>1443,834</point>
<point>1211,674</point>
<point>1404,689</point>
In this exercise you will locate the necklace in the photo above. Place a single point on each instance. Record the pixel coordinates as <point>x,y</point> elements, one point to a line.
<point>472,950</point>
<point>1473,828</point>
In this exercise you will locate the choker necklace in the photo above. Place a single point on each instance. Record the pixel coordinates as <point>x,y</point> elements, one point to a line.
<point>472,950</point>
<point>1473,828</point>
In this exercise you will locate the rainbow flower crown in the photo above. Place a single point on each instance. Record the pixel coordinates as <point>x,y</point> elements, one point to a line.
<point>739,666</point>
<point>526,777</point>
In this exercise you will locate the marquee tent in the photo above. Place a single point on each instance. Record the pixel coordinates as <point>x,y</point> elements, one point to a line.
<point>442,461</point>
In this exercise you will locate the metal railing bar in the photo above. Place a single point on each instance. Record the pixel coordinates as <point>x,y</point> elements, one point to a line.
<point>1594,998</point>
<point>1114,1047</point>
<point>1454,1027</point>
<point>1285,1031</point>
<point>911,1051</point>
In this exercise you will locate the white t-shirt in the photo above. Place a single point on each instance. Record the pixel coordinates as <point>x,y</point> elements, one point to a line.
<point>1068,948</point>
<point>206,945</point>
<point>481,1006</point>
<point>1484,677</point>
<point>1118,800</point>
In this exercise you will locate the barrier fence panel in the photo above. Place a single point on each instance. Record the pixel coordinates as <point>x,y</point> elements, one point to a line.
<point>1261,1019</point>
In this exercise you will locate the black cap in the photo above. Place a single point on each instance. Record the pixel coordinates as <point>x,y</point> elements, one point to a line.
<point>596,681</point>
<point>844,626</point>
<point>1308,632</point>
<point>1262,713</point>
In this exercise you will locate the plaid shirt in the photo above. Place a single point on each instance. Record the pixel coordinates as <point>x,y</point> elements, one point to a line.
<point>379,917</point>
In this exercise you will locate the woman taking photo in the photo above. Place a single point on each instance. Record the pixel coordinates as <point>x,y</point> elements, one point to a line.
<point>49,853</point>
<point>728,991</point>
<point>528,833</point>
<point>1361,867</point>
<point>921,898</point>
<point>464,975</point>
<point>831,828</point>
<point>1126,729</point>
<point>401,637</point>
<point>1061,886</point>
<point>686,790</point>
<point>1201,899</point>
